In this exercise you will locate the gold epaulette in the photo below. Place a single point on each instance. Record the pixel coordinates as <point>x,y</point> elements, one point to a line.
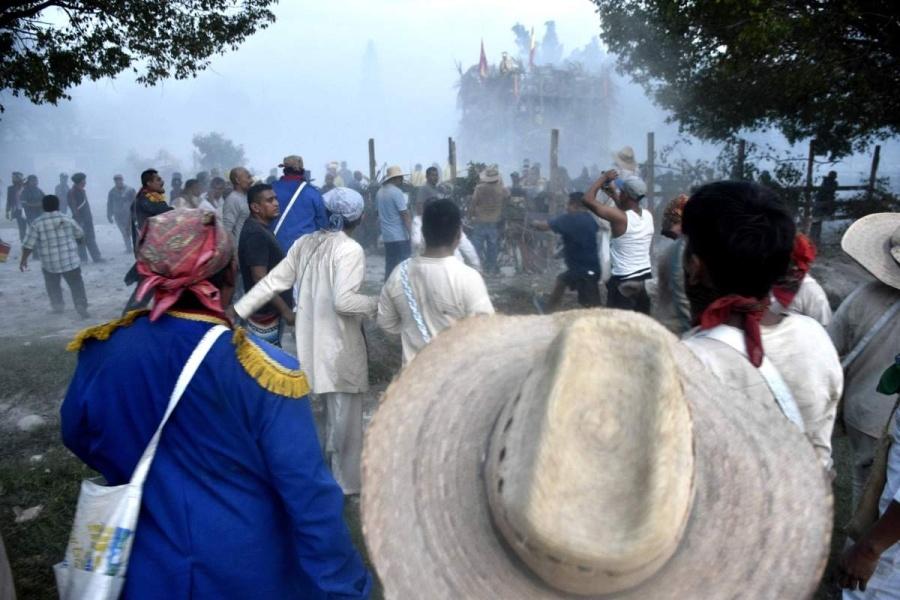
<point>103,331</point>
<point>274,377</point>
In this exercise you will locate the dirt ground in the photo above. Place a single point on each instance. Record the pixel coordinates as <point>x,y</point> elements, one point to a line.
<point>35,470</point>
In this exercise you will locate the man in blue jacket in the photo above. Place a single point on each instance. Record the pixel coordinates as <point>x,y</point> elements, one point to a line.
<point>300,204</point>
<point>238,502</point>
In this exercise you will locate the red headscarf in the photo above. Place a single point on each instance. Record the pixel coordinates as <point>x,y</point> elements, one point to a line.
<point>180,250</point>
<point>802,257</point>
<point>752,310</point>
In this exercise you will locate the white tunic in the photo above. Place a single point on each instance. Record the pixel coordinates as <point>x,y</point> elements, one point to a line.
<point>445,290</point>
<point>329,268</point>
<point>810,300</point>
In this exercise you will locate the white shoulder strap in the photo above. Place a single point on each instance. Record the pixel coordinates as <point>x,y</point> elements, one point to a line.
<point>734,338</point>
<point>187,373</point>
<point>870,335</point>
<point>411,301</point>
<point>289,206</point>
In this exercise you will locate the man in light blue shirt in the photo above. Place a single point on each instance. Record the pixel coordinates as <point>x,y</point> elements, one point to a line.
<point>393,214</point>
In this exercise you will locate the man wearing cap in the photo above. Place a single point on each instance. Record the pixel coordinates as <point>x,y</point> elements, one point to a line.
<point>395,220</point>
<point>14,210</point>
<point>57,235</point>
<point>510,462</point>
<point>739,238</point>
<point>329,268</point>
<point>258,253</point>
<point>238,502</point>
<point>119,202</point>
<point>81,212</point>
<point>865,331</point>
<point>632,234</point>
<point>299,204</point>
<point>62,192</point>
<point>485,215</point>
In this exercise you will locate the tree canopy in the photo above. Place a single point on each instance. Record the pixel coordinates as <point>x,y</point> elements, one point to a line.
<point>50,46</point>
<point>826,70</point>
<point>214,150</point>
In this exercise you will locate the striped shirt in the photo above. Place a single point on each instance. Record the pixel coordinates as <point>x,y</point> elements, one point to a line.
<point>56,235</point>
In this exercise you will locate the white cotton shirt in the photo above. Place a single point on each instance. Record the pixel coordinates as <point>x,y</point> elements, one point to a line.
<point>329,268</point>
<point>801,351</point>
<point>630,252</point>
<point>465,252</point>
<point>446,291</point>
<point>810,300</point>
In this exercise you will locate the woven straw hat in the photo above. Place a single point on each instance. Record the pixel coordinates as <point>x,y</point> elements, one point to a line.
<point>591,454</point>
<point>490,175</point>
<point>874,242</point>
<point>394,171</point>
<point>625,160</point>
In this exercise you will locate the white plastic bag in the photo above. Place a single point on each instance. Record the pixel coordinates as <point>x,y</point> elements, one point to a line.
<point>106,516</point>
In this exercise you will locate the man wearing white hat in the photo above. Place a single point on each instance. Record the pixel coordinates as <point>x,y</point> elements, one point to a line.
<point>329,268</point>
<point>396,222</point>
<point>486,213</point>
<point>522,467</point>
<point>865,331</point>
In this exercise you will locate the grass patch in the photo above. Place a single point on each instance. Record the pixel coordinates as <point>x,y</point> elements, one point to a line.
<point>34,368</point>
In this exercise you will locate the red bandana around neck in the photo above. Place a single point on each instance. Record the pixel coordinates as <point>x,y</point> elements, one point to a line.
<point>752,311</point>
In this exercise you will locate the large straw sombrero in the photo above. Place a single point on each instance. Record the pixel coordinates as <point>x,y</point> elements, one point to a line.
<point>585,454</point>
<point>490,175</point>
<point>874,242</point>
<point>625,160</point>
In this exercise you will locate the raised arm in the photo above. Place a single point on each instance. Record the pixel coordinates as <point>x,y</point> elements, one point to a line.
<point>617,218</point>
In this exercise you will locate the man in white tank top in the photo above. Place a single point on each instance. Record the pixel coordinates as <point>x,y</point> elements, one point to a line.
<point>632,234</point>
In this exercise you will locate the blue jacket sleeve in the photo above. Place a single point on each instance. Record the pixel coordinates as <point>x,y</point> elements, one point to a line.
<point>321,215</point>
<point>73,422</point>
<point>314,502</point>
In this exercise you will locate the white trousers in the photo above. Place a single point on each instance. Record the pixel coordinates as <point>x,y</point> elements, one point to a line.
<point>343,438</point>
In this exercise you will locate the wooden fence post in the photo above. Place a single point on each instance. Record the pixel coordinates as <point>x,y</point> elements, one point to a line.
<point>451,158</point>
<point>876,157</point>
<point>650,168</point>
<point>371,161</point>
<point>741,160</point>
<point>808,212</point>
<point>554,159</point>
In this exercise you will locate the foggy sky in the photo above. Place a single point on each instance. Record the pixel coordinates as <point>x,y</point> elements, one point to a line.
<point>297,87</point>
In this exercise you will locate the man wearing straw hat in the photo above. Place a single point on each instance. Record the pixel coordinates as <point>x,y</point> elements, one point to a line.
<point>238,502</point>
<point>329,268</point>
<point>865,331</point>
<point>739,239</point>
<point>395,220</point>
<point>485,214</point>
<point>522,467</point>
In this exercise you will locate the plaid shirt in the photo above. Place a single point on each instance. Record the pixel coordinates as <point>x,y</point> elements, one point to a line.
<point>56,234</point>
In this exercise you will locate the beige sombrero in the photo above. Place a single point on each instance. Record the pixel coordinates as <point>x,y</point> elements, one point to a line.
<point>585,454</point>
<point>490,175</point>
<point>625,160</point>
<point>874,242</point>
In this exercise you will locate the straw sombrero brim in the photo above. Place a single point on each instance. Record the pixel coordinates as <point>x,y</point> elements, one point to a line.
<point>867,241</point>
<point>489,178</point>
<point>759,527</point>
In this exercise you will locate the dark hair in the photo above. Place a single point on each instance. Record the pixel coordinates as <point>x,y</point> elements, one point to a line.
<point>742,233</point>
<point>441,222</point>
<point>189,183</point>
<point>78,177</point>
<point>431,169</point>
<point>255,190</point>
<point>576,198</point>
<point>216,181</point>
<point>147,176</point>
<point>50,203</point>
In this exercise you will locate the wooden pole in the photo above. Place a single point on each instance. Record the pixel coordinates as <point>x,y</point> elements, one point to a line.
<point>554,159</point>
<point>873,174</point>
<point>451,158</point>
<point>651,164</point>
<point>808,216</point>
<point>371,161</point>
<point>741,159</point>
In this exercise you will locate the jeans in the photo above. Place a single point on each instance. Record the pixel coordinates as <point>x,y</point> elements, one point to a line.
<point>76,286</point>
<point>21,222</point>
<point>486,238</point>
<point>86,221</point>
<point>394,254</point>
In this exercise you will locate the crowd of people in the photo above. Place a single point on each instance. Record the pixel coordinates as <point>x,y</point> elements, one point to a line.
<point>606,446</point>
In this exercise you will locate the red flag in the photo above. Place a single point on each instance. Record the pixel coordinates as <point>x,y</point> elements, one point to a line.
<point>482,63</point>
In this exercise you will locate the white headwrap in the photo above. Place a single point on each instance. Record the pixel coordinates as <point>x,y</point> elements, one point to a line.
<point>344,205</point>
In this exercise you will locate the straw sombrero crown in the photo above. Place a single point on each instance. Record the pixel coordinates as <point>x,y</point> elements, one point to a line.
<point>585,454</point>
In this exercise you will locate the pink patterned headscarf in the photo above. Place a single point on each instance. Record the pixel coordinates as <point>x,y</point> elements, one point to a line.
<point>180,250</point>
